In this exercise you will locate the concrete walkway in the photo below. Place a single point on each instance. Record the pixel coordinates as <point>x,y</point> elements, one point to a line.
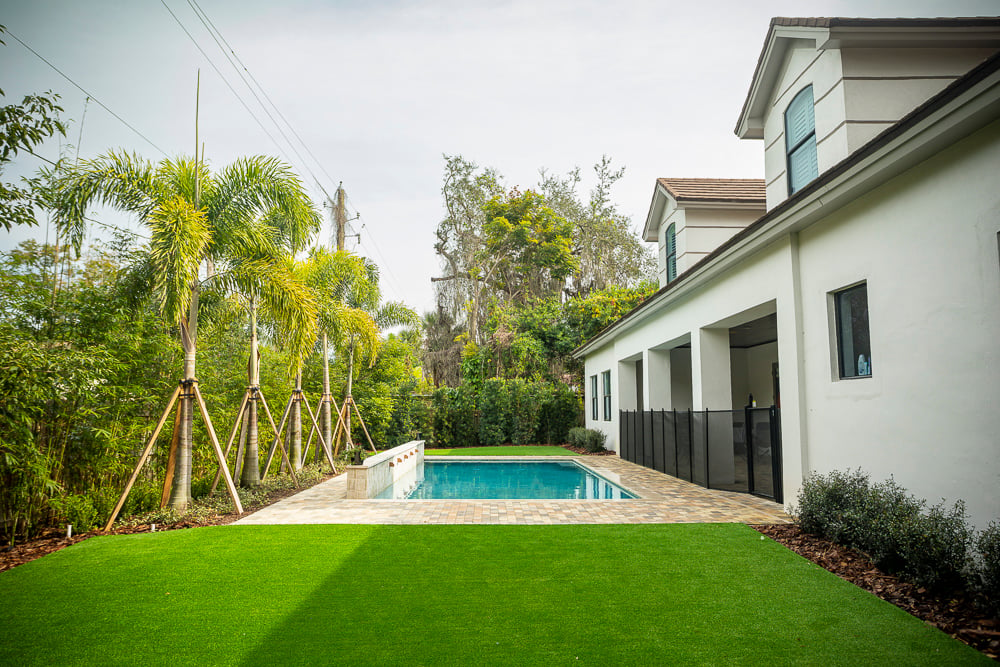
<point>661,499</point>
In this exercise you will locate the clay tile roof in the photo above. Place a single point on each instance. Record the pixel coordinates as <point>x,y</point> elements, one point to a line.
<point>748,190</point>
<point>838,21</point>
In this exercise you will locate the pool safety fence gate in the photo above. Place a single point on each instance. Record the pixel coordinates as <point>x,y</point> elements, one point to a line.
<point>732,450</point>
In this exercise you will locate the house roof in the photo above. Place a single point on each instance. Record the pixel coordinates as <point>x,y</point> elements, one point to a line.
<point>837,32</point>
<point>704,192</point>
<point>715,189</point>
<point>894,134</point>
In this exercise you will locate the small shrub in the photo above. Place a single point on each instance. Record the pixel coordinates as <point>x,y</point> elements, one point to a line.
<point>830,505</point>
<point>934,546</point>
<point>587,438</point>
<point>987,569</point>
<point>886,509</point>
<point>77,510</point>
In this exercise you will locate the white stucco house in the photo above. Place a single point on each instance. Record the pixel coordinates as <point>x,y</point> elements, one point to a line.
<point>865,266</point>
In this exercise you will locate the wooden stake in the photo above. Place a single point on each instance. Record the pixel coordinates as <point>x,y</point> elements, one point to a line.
<point>363,427</point>
<point>326,447</point>
<point>218,450</point>
<point>142,459</point>
<point>168,477</point>
<point>277,438</point>
<point>232,437</point>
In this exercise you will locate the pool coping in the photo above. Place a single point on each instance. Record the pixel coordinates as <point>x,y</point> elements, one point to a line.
<point>662,499</point>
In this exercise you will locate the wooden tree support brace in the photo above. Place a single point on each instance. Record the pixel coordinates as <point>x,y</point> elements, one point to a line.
<point>232,437</point>
<point>326,446</point>
<point>168,478</point>
<point>142,459</point>
<point>218,451</point>
<point>363,427</point>
<point>277,440</point>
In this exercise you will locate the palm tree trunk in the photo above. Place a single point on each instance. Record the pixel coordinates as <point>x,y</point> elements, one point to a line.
<point>251,457</point>
<point>296,428</point>
<point>180,490</point>
<point>325,422</point>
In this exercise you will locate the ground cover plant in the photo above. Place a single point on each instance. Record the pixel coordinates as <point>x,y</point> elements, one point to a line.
<point>513,450</point>
<point>509,594</point>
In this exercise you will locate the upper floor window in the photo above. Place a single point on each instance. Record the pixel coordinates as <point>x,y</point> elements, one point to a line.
<point>854,347</point>
<point>670,243</point>
<point>800,140</point>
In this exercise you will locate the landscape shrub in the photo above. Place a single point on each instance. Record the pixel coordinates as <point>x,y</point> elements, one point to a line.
<point>524,410</point>
<point>987,567</point>
<point>830,505</point>
<point>75,509</point>
<point>930,547</point>
<point>587,438</point>
<point>934,546</point>
<point>561,411</point>
<point>494,413</point>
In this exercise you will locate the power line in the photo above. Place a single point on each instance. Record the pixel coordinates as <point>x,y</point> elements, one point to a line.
<point>396,284</point>
<point>319,164</point>
<point>198,12</point>
<point>85,92</point>
<point>226,81</point>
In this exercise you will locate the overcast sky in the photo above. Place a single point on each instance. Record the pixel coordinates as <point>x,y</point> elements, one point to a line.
<point>378,91</point>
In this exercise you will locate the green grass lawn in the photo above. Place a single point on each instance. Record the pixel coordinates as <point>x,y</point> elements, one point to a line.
<point>450,595</point>
<point>512,450</point>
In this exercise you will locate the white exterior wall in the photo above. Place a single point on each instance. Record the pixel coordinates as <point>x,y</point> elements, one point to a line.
<point>927,245</point>
<point>671,216</point>
<point>762,285</point>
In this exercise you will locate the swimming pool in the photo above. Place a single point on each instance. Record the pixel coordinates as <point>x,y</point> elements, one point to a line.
<point>507,480</point>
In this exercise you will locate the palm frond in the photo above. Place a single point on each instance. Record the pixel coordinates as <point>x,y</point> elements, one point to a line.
<point>178,236</point>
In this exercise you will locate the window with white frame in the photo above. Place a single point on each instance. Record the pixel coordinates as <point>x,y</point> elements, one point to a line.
<point>593,397</point>
<point>800,140</point>
<point>606,381</point>
<point>854,348</point>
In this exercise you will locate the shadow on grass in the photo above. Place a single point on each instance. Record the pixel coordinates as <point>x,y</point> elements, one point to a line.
<point>649,594</point>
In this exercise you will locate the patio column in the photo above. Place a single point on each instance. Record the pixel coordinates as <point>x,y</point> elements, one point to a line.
<point>656,379</point>
<point>711,374</point>
<point>628,397</point>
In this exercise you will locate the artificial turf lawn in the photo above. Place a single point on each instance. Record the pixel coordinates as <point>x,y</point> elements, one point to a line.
<point>513,450</point>
<point>450,595</point>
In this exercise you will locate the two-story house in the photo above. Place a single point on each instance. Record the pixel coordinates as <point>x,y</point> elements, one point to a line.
<point>853,295</point>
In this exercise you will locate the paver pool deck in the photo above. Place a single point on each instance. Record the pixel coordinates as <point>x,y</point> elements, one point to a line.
<point>661,499</point>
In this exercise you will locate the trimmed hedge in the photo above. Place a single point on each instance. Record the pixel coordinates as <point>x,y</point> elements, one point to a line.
<point>503,411</point>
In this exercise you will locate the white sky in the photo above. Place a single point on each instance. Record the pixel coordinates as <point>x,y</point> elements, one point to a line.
<point>378,91</point>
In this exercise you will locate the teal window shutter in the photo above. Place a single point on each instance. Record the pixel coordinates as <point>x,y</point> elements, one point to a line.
<point>800,140</point>
<point>671,250</point>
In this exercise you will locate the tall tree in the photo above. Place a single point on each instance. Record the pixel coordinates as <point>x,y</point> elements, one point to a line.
<point>231,229</point>
<point>608,252</point>
<point>330,276</point>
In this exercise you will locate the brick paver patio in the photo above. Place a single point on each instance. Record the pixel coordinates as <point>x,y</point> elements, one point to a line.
<point>661,499</point>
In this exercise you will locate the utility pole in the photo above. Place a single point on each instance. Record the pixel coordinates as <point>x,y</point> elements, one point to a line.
<point>340,216</point>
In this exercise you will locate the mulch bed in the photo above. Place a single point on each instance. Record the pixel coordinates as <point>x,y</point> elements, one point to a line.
<point>583,452</point>
<point>953,612</point>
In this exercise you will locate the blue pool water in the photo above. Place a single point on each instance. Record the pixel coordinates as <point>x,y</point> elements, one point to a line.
<point>500,480</point>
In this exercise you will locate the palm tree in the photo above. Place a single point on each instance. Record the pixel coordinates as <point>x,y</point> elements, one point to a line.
<point>229,230</point>
<point>364,294</point>
<point>330,276</point>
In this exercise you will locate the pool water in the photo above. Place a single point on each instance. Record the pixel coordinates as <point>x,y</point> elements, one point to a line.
<point>504,480</point>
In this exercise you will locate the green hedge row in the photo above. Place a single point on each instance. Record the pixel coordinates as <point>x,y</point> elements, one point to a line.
<point>931,546</point>
<point>503,411</point>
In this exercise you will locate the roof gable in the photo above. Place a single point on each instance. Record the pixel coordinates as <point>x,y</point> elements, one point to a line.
<point>838,32</point>
<point>704,193</point>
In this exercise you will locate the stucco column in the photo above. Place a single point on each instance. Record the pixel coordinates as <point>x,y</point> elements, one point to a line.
<point>628,398</point>
<point>656,379</point>
<point>711,374</point>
